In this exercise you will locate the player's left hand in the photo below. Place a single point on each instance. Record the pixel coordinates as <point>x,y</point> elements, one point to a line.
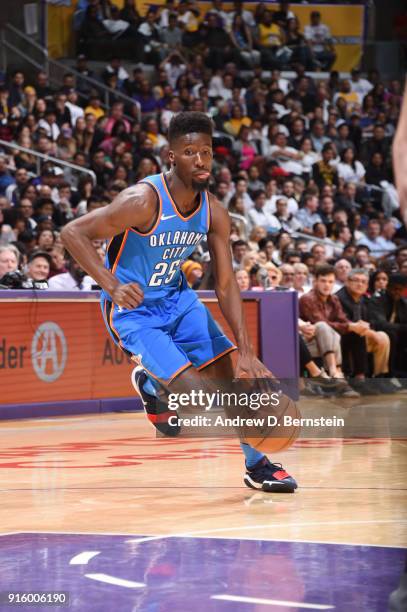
<point>249,366</point>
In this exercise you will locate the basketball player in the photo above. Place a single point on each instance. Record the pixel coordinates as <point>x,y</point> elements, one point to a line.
<point>400,158</point>
<point>398,599</point>
<point>148,308</point>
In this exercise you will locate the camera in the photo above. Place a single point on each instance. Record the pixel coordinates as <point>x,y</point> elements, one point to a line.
<point>17,280</point>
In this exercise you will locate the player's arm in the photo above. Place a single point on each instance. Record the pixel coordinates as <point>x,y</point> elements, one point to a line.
<point>400,158</point>
<point>133,207</point>
<point>228,292</point>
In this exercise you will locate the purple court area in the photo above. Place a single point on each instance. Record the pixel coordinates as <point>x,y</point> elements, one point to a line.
<point>198,574</point>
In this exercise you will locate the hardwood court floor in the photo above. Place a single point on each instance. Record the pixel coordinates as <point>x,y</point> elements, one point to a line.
<point>109,474</point>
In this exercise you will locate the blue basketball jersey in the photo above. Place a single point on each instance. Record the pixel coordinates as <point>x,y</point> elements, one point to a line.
<point>153,259</point>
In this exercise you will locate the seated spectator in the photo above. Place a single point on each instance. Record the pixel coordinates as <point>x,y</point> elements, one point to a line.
<point>237,120</point>
<point>171,34</point>
<point>301,279</point>
<point>307,215</point>
<point>318,137</point>
<point>347,199</point>
<point>288,221</point>
<point>5,177</point>
<point>287,158</point>
<point>378,282</point>
<point>243,280</point>
<point>9,259</point>
<point>378,245</point>
<point>269,40</point>
<point>258,216</point>
<point>350,97</point>
<point>342,236</point>
<point>258,233</point>
<point>218,46</point>
<point>114,67</point>
<point>242,40</point>
<point>130,13</point>
<point>323,310</point>
<point>39,265</point>
<point>343,141</point>
<point>57,261</point>
<point>94,107</point>
<point>267,246</point>
<point>358,343</point>
<point>297,44</point>
<point>75,279</point>
<point>308,157</point>
<point>150,32</point>
<point>268,276</point>
<point>287,276</point>
<point>318,35</point>
<point>323,172</point>
<point>349,168</point>
<point>239,250</point>
<point>379,143</point>
<point>387,312</point>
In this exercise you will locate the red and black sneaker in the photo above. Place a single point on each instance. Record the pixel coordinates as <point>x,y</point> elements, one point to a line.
<point>269,477</point>
<point>157,411</point>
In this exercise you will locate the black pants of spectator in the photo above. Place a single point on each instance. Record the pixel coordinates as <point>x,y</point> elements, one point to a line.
<point>398,353</point>
<point>219,56</point>
<point>305,355</point>
<point>270,59</point>
<point>354,354</point>
<point>302,55</point>
<point>325,59</point>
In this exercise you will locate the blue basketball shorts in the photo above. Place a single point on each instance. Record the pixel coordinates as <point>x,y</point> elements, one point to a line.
<point>167,335</point>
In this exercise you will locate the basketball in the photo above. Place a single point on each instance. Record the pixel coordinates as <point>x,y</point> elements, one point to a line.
<point>271,429</point>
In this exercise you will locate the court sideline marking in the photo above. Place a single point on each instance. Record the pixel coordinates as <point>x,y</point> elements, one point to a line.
<point>272,602</point>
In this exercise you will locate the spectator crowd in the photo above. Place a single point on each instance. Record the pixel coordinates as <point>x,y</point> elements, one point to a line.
<point>302,162</point>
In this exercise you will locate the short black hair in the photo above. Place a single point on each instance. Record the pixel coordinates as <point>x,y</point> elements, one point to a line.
<point>324,270</point>
<point>188,122</point>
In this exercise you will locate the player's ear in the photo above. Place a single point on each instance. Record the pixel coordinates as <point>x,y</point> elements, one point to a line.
<point>171,157</point>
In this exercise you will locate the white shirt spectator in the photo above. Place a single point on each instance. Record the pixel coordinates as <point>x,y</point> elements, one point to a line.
<point>174,71</point>
<point>309,160</point>
<point>317,35</point>
<point>378,246</point>
<point>66,282</point>
<point>115,26</point>
<point>122,73</point>
<point>307,219</point>
<point>351,174</point>
<point>292,204</point>
<point>217,89</point>
<point>285,162</point>
<point>361,87</point>
<point>263,219</point>
<point>247,17</point>
<point>51,129</point>
<point>76,112</point>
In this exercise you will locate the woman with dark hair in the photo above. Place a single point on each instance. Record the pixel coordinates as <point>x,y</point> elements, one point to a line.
<point>120,173</point>
<point>117,135</point>
<point>246,149</point>
<point>350,170</point>
<point>46,240</point>
<point>378,282</point>
<point>241,38</point>
<point>376,170</point>
<point>295,41</point>
<point>29,191</point>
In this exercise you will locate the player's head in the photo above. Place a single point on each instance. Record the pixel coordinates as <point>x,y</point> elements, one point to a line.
<point>190,154</point>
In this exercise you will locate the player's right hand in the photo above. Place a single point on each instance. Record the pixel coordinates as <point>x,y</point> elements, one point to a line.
<point>128,296</point>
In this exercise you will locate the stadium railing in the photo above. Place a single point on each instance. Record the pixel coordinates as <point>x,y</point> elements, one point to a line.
<point>49,158</point>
